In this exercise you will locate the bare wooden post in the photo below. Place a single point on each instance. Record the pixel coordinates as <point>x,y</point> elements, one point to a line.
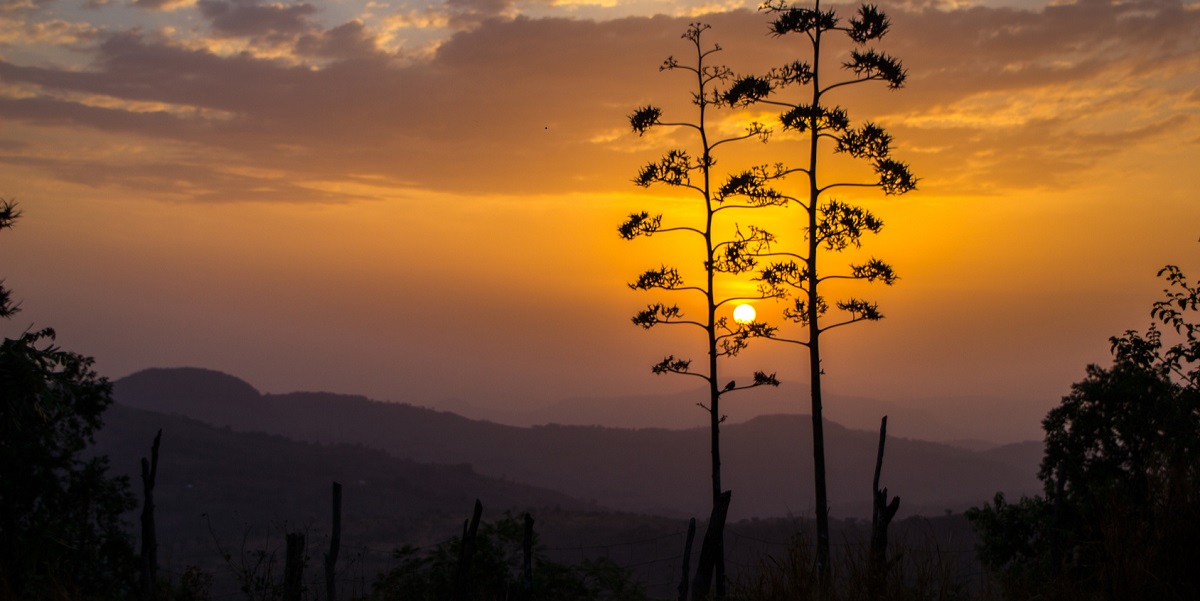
<point>710,551</point>
<point>293,567</point>
<point>335,543</point>
<point>466,552</point>
<point>527,563</point>
<point>149,555</point>
<point>687,559</point>
<point>881,515</point>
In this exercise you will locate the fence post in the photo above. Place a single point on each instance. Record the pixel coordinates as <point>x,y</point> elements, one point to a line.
<point>293,567</point>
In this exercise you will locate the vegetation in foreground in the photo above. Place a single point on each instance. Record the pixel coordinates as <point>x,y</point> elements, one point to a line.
<point>61,534</point>
<point>1120,516</point>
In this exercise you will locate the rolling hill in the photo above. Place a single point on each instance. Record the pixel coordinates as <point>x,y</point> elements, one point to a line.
<point>766,461</point>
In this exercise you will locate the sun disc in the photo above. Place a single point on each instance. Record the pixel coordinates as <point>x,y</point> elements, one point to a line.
<point>743,314</point>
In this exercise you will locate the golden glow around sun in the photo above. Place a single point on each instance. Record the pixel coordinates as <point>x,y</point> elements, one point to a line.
<point>743,314</point>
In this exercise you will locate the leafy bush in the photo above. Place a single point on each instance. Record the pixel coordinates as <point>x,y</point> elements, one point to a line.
<point>1121,476</point>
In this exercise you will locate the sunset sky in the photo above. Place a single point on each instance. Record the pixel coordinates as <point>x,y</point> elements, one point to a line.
<point>417,200</point>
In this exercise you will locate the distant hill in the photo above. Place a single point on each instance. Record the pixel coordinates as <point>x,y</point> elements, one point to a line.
<point>968,422</point>
<point>766,461</point>
<point>678,411</point>
<point>221,491</point>
<point>258,478</point>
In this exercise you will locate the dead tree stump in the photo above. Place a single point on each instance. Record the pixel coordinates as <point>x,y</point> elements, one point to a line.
<point>882,513</point>
<point>149,552</point>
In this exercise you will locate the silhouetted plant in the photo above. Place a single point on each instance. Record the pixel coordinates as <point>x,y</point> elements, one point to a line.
<point>8,216</point>
<point>722,257</point>
<point>496,572</point>
<point>195,584</point>
<point>60,529</point>
<point>256,565</point>
<point>830,225</point>
<point>1121,475</point>
<point>920,570</point>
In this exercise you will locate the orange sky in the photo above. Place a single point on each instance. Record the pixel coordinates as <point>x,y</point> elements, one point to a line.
<point>418,201</point>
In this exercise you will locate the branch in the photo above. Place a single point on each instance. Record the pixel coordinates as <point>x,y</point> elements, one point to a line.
<point>791,255</point>
<point>666,278</point>
<point>659,313</point>
<point>674,169</point>
<point>799,19</point>
<point>847,82</point>
<point>789,341</point>
<point>877,65</point>
<point>739,255</point>
<point>782,274</point>
<point>842,225</point>
<point>734,299</point>
<point>751,185</point>
<point>760,379</point>
<point>747,90</point>
<point>639,224</point>
<point>860,310</point>
<point>894,177</point>
<point>847,185</point>
<point>737,340</point>
<point>644,118</point>
<point>798,312</point>
<point>754,130</point>
<point>870,271</point>
<point>870,141</point>
<point>873,270</point>
<point>870,24</point>
<point>804,116</point>
<point>676,366</point>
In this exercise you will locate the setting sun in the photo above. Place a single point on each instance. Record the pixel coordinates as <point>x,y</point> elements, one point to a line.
<point>744,314</point>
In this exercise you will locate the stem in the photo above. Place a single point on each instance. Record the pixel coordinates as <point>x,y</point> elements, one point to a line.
<point>814,331</point>
<point>714,413</point>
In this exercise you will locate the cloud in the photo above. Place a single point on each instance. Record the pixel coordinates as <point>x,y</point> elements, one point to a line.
<point>470,13</point>
<point>522,105</point>
<point>58,32</point>
<point>248,18</point>
<point>344,42</point>
<point>153,5</point>
<point>22,7</point>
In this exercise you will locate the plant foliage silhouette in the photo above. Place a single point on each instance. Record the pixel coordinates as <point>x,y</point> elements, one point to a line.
<point>723,257</point>
<point>1121,475</point>
<point>60,528</point>
<point>830,225</point>
<point>496,571</point>
<point>8,216</point>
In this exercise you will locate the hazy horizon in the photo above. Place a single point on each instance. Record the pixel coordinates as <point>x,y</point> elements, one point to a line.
<point>417,201</point>
<point>678,411</point>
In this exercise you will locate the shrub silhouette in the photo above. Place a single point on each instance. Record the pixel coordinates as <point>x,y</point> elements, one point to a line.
<point>1121,474</point>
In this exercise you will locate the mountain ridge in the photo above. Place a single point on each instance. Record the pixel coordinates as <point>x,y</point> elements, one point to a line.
<point>766,459</point>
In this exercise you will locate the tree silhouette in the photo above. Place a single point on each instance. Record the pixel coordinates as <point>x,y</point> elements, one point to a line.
<point>1121,475</point>
<point>8,216</point>
<point>830,224</point>
<point>723,257</point>
<point>60,529</point>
